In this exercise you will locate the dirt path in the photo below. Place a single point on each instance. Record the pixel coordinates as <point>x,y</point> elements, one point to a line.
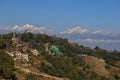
<point>39,74</point>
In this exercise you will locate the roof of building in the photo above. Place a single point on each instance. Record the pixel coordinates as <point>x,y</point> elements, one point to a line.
<point>54,49</point>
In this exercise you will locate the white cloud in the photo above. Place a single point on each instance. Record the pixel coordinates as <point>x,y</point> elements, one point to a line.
<point>101,32</point>
<point>78,30</point>
<point>98,37</point>
<point>29,27</point>
<point>91,40</point>
<point>75,30</point>
<point>4,28</point>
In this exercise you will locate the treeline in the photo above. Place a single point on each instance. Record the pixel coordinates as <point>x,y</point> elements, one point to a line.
<point>5,40</point>
<point>73,68</point>
<point>38,41</point>
<point>6,62</point>
<point>6,66</point>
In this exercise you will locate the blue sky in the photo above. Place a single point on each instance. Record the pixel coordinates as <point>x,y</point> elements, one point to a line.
<point>62,14</point>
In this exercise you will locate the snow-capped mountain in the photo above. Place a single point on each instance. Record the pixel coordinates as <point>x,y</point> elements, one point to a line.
<point>76,30</point>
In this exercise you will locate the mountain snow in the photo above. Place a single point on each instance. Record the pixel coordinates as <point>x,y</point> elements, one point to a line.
<point>76,30</point>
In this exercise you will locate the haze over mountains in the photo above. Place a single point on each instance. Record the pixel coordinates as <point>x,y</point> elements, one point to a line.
<point>83,36</point>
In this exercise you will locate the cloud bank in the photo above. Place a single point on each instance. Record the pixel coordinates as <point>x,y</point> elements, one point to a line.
<point>76,30</point>
<point>102,38</point>
<point>105,39</point>
<point>29,27</point>
<point>91,40</point>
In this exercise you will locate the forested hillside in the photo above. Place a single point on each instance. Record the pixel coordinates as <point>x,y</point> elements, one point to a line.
<point>56,57</point>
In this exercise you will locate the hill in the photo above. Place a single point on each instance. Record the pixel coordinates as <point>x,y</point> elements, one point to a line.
<point>45,57</point>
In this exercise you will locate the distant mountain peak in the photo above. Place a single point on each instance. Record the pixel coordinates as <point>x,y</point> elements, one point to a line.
<point>75,30</point>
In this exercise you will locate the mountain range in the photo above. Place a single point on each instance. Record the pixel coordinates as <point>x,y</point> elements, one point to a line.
<point>105,39</point>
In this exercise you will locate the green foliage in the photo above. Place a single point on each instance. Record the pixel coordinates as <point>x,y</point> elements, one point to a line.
<point>29,52</point>
<point>2,44</point>
<point>109,57</point>
<point>7,36</point>
<point>107,66</point>
<point>104,78</point>
<point>6,65</point>
<point>26,37</point>
<point>116,65</point>
<point>62,67</point>
<point>65,66</point>
<point>78,61</point>
<point>5,41</point>
<point>117,77</point>
<point>30,77</point>
<point>39,46</point>
<point>97,48</point>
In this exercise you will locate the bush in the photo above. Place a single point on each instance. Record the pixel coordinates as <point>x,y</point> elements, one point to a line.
<point>6,65</point>
<point>61,67</point>
<point>30,77</point>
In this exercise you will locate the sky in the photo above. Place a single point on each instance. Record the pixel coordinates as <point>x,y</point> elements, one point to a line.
<point>62,14</point>
<point>99,18</point>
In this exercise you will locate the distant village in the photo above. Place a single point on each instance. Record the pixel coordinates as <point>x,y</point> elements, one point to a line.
<point>19,53</point>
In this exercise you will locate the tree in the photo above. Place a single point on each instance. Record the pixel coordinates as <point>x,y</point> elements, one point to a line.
<point>2,44</point>
<point>26,37</point>
<point>30,76</point>
<point>97,48</point>
<point>6,65</point>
